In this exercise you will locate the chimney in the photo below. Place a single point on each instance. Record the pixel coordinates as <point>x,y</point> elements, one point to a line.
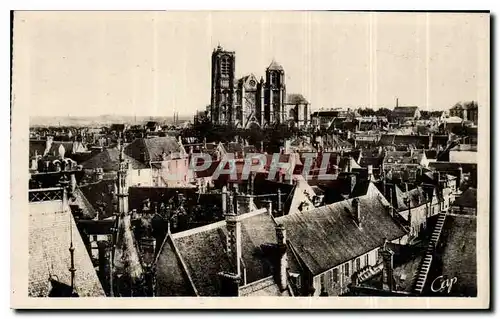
<point>281,274</point>
<point>437,177</point>
<point>349,168</point>
<point>233,226</point>
<point>280,206</point>
<point>388,263</point>
<point>370,172</point>
<point>356,211</point>
<point>48,144</point>
<point>397,102</point>
<point>390,207</point>
<point>104,252</point>
<point>229,284</point>
<point>269,206</point>
<point>459,177</point>
<point>224,200</point>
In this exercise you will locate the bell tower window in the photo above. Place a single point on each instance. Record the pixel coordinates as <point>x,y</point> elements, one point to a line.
<point>274,78</point>
<point>225,66</point>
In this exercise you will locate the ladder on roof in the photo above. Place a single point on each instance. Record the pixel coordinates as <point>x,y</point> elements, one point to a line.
<point>425,266</point>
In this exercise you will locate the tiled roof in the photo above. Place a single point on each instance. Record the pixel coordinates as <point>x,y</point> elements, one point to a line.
<point>419,141</point>
<point>449,167</point>
<point>201,255</point>
<point>108,160</point>
<point>405,111</point>
<point>328,236</point>
<point>83,203</point>
<point>152,148</point>
<point>50,232</point>
<point>459,254</point>
<point>467,199</point>
<point>402,157</point>
<point>171,279</point>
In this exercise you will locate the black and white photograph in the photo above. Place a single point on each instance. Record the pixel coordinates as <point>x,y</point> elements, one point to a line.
<point>295,156</point>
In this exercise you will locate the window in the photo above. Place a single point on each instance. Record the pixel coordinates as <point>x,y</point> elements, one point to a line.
<point>346,269</point>
<point>366,260</point>
<point>357,265</point>
<point>335,275</point>
<point>376,255</point>
<point>274,78</point>
<point>225,65</point>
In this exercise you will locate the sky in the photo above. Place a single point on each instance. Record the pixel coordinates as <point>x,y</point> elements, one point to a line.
<point>156,63</point>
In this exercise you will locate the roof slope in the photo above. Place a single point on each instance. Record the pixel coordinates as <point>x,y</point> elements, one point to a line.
<point>459,254</point>
<point>50,232</point>
<point>201,254</point>
<point>151,149</point>
<point>109,160</point>
<point>467,199</point>
<point>328,236</point>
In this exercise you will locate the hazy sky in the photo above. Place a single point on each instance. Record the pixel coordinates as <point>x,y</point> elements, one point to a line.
<point>152,63</point>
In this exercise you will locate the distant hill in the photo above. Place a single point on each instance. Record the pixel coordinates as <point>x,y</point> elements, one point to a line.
<point>102,120</point>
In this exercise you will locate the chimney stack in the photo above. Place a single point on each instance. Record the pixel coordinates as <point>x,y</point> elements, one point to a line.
<point>229,284</point>
<point>388,263</point>
<point>370,172</point>
<point>459,177</point>
<point>48,144</point>
<point>233,226</point>
<point>390,207</point>
<point>282,274</point>
<point>224,200</point>
<point>357,211</point>
<point>280,208</point>
<point>269,206</point>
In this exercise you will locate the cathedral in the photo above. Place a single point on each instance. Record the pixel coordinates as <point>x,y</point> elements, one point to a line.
<point>252,103</point>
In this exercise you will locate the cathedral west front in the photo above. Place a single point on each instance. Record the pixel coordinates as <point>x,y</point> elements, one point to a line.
<point>249,102</point>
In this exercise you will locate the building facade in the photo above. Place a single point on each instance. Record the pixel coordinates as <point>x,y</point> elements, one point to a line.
<point>250,102</point>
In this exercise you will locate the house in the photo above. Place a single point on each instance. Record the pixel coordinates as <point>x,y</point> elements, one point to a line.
<point>404,164</point>
<point>464,153</point>
<point>402,114</point>
<point>59,264</point>
<point>333,243</point>
<point>466,203</point>
<point>466,111</point>
<point>166,158</point>
<point>324,117</point>
<point>298,110</point>
<point>108,161</point>
<point>405,141</point>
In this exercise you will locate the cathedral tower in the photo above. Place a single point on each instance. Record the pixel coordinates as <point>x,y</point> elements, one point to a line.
<point>223,88</point>
<point>275,94</point>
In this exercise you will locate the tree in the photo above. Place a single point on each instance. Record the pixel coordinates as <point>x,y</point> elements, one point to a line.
<point>383,112</point>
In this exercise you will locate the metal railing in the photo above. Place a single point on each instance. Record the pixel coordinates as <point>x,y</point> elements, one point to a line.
<point>46,194</point>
